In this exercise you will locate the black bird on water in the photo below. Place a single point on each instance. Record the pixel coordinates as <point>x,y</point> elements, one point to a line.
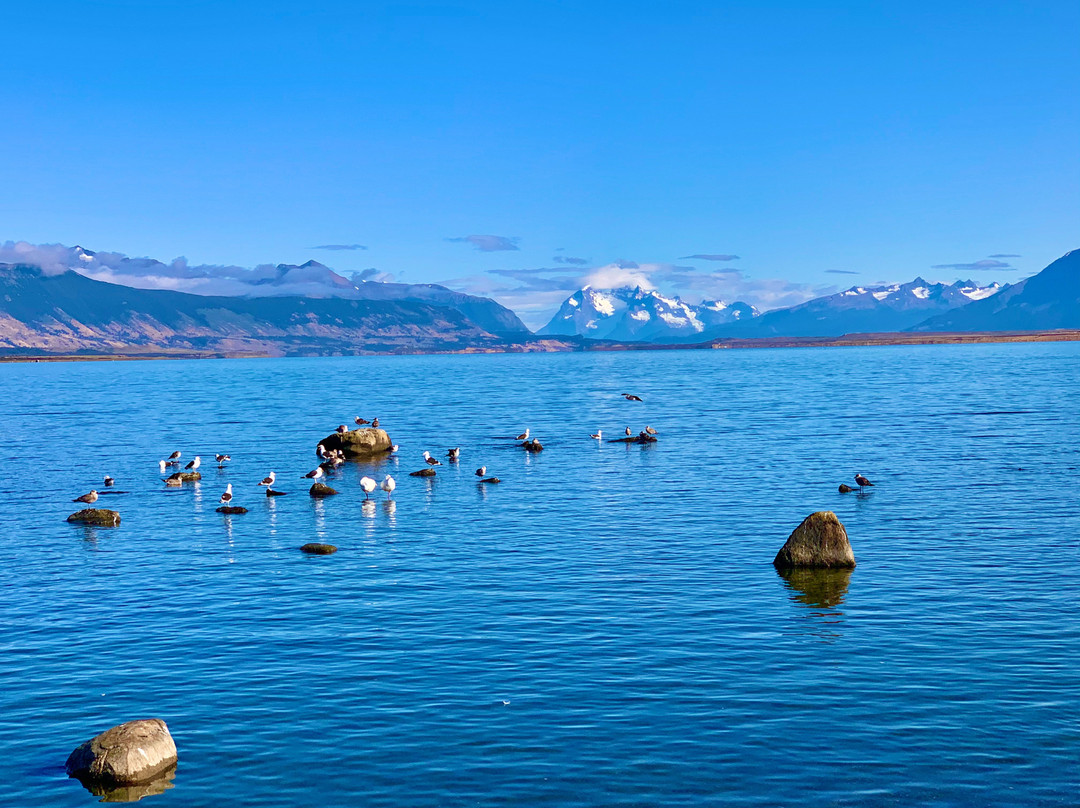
<point>862,482</point>
<point>630,397</point>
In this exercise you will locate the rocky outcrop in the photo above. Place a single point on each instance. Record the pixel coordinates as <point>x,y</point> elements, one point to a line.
<point>428,472</point>
<point>322,490</point>
<point>185,476</point>
<point>317,548</point>
<point>101,517</point>
<point>128,754</point>
<point>820,541</point>
<point>359,442</point>
<point>642,437</point>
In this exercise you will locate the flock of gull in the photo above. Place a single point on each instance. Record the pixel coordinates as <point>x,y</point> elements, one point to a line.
<point>331,459</point>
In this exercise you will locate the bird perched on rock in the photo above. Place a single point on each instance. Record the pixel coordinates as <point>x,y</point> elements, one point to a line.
<point>388,485</point>
<point>375,423</point>
<point>226,498</point>
<point>109,481</point>
<point>222,459</point>
<point>342,429</point>
<point>161,465</point>
<point>862,482</point>
<point>174,459</point>
<point>268,480</point>
<point>524,435</point>
<point>431,461</point>
<point>454,454</point>
<point>361,421</point>
<point>628,432</point>
<point>320,450</point>
<point>650,431</point>
<point>315,474</point>
<point>599,434</point>
<point>194,464</point>
<point>367,485</point>
<point>89,499</point>
<point>480,472</point>
<point>630,397</point>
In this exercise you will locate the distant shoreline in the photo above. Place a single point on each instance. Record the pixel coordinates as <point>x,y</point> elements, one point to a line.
<point>578,345</point>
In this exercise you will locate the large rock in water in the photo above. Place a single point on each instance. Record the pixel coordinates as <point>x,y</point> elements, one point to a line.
<point>101,517</point>
<point>129,754</point>
<point>820,541</point>
<point>359,442</point>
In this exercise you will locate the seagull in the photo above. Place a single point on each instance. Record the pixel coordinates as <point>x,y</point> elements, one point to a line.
<point>431,461</point>
<point>599,434</point>
<point>862,482</point>
<point>222,459</point>
<point>393,449</point>
<point>89,499</point>
<point>268,480</point>
<point>628,432</point>
<point>367,485</point>
<point>361,421</point>
<point>524,435</point>
<point>316,474</point>
<point>226,498</point>
<point>342,429</point>
<point>194,464</point>
<point>161,465</point>
<point>320,450</point>
<point>388,485</point>
<point>109,481</point>
<point>480,472</point>
<point>630,397</point>
<point>174,459</point>
<point>650,431</point>
<point>454,454</point>
<point>375,423</point>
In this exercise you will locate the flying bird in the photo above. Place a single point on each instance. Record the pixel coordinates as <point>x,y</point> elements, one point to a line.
<point>630,397</point>
<point>89,499</point>
<point>431,461</point>
<point>226,498</point>
<point>194,464</point>
<point>388,485</point>
<point>367,485</point>
<point>268,480</point>
<point>524,435</point>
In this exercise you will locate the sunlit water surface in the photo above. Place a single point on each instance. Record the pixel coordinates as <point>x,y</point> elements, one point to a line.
<point>604,627</point>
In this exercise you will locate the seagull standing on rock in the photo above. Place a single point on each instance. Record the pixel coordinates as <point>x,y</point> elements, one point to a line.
<point>89,499</point>
<point>194,464</point>
<point>524,435</point>
<point>361,421</point>
<point>628,432</point>
<point>315,474</point>
<point>226,498</point>
<point>650,431</point>
<point>268,480</point>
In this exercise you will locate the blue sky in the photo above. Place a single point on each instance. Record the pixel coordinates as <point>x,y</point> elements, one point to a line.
<point>810,140</point>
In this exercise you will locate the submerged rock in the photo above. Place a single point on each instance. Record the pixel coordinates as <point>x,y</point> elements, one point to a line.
<point>185,476</point>
<point>322,490</point>
<point>359,442</point>
<point>317,548</point>
<point>428,472</point>
<point>845,489</point>
<point>126,755</point>
<point>270,492</point>
<point>820,541</point>
<point>491,480</point>
<point>232,509</point>
<point>102,517</point>
<point>532,446</point>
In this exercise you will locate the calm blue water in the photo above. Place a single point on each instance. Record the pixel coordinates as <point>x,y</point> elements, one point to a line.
<point>603,628</point>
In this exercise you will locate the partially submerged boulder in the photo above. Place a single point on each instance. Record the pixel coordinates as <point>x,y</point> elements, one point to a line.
<point>317,548</point>
<point>820,541</point>
<point>101,517</point>
<point>359,442</point>
<point>845,489</point>
<point>322,490</point>
<point>532,446</point>
<point>270,492</point>
<point>185,476</point>
<point>491,480</point>
<point>428,472</point>
<point>232,509</point>
<point>128,754</point>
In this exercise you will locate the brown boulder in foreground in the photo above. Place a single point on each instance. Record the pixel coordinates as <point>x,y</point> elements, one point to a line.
<point>322,490</point>
<point>128,754</point>
<point>820,541</point>
<point>359,442</point>
<point>101,517</point>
